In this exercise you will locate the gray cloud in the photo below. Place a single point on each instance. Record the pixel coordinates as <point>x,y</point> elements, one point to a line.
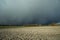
<point>29,11</point>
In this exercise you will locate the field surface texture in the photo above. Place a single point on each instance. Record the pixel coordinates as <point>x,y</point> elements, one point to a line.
<point>30,33</point>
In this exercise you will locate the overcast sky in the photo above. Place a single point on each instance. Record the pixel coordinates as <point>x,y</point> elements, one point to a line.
<point>14,12</point>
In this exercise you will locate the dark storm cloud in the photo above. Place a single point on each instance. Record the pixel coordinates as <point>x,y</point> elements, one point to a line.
<point>29,11</point>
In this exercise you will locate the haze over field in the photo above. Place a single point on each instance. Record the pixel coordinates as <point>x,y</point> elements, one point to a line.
<point>13,12</point>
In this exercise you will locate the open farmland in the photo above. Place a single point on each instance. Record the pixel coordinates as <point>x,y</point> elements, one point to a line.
<point>31,33</point>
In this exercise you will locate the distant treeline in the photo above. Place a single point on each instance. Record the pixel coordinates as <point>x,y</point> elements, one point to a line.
<point>52,24</point>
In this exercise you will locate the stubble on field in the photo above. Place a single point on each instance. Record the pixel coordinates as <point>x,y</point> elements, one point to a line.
<point>30,33</point>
